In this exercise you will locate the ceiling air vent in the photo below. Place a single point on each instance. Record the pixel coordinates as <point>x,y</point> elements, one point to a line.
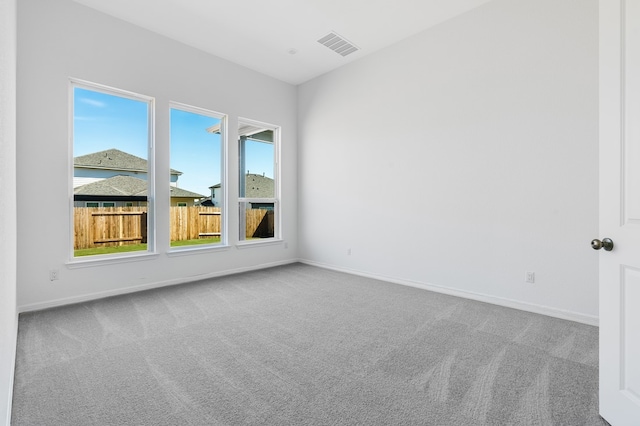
<point>338,44</point>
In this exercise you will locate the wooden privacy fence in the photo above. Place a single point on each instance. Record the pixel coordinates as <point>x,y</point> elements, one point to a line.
<point>112,226</point>
<point>109,226</point>
<point>259,223</point>
<point>190,223</point>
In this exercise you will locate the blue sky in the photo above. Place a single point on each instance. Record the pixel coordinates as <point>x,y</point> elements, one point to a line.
<point>103,121</point>
<point>194,151</point>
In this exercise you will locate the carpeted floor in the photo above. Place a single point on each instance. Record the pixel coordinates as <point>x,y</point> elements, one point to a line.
<point>299,345</point>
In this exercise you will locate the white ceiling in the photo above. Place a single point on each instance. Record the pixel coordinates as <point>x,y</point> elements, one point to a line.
<point>259,34</point>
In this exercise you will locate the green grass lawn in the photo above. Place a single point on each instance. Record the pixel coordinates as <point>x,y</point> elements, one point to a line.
<point>109,250</point>
<point>212,240</point>
<point>141,247</point>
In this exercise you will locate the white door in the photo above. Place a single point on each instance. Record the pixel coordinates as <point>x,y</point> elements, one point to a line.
<point>620,211</point>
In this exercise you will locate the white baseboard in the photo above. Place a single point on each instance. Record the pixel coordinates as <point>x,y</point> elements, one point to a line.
<point>509,303</point>
<point>117,292</point>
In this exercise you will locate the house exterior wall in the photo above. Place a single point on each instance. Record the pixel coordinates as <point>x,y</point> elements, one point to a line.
<point>176,200</point>
<point>117,203</point>
<point>105,173</point>
<point>485,166</point>
<point>83,176</point>
<point>76,41</point>
<point>216,196</point>
<point>80,181</point>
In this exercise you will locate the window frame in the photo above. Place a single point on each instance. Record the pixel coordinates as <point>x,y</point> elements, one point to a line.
<point>224,160</point>
<point>276,200</point>
<point>151,251</point>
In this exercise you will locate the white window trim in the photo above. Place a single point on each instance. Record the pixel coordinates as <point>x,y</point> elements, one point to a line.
<point>197,249</point>
<point>110,259</point>
<point>224,231</point>
<point>258,243</point>
<point>151,225</point>
<point>277,237</point>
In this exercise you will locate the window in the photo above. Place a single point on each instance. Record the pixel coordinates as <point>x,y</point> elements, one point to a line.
<point>258,180</point>
<point>103,204</point>
<point>111,134</point>
<point>197,160</point>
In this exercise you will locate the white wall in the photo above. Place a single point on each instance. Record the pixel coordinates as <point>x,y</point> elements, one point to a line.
<point>62,39</point>
<point>463,157</point>
<point>8,316</point>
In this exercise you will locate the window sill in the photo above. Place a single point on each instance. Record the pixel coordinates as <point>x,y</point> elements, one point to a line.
<point>259,243</point>
<point>186,250</point>
<point>101,260</point>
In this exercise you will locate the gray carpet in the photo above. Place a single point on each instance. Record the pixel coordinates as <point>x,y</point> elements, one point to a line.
<point>299,345</point>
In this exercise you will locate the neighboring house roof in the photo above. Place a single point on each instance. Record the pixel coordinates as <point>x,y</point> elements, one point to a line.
<point>183,193</point>
<point>115,185</point>
<point>114,159</point>
<point>205,202</point>
<point>127,185</point>
<point>258,186</point>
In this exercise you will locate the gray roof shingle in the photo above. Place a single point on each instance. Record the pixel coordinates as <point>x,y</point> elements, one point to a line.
<point>183,193</point>
<point>127,185</point>
<point>258,186</point>
<point>116,185</point>
<point>114,159</point>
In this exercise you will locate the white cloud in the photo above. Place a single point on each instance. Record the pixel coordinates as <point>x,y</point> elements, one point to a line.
<point>93,102</point>
<point>84,118</point>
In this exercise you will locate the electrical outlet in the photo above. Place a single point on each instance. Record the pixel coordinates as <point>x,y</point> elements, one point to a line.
<point>54,274</point>
<point>530,277</point>
<point>286,245</point>
<point>348,252</point>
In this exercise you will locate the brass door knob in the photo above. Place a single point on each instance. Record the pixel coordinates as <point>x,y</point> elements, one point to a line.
<point>606,244</point>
